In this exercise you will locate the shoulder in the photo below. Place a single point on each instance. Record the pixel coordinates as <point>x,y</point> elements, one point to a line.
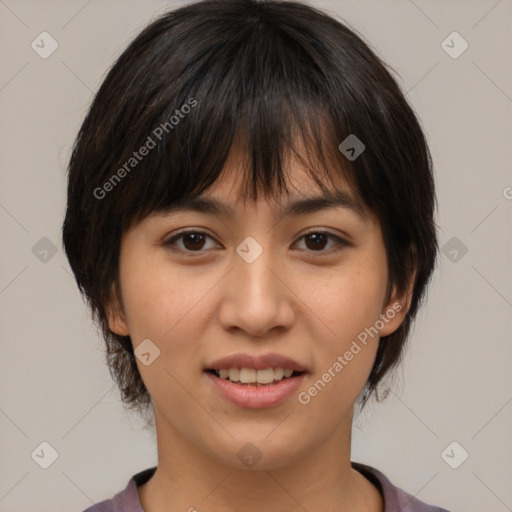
<point>102,506</point>
<point>395,498</point>
<point>126,500</point>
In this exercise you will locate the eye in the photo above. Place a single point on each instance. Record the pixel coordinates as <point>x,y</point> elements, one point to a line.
<point>316,241</point>
<point>195,241</point>
<point>191,241</point>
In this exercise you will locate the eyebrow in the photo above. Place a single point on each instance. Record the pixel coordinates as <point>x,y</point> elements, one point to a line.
<point>301,206</point>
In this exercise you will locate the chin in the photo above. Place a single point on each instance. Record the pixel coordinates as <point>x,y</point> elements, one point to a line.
<point>255,452</point>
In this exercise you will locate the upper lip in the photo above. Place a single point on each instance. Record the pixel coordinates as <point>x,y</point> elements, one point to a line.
<point>260,362</point>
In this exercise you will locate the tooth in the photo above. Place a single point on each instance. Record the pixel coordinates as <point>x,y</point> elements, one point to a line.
<point>251,376</point>
<point>265,376</point>
<point>234,374</point>
<point>247,375</point>
<point>278,373</point>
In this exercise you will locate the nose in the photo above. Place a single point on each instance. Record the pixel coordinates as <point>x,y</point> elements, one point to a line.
<point>258,297</point>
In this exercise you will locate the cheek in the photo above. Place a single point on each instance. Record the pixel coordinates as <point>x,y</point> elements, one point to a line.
<point>344,358</point>
<point>348,306</point>
<point>158,299</point>
<point>169,306</point>
<point>164,306</point>
<point>346,302</point>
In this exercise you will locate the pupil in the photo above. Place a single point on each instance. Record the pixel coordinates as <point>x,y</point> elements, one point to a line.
<point>196,238</point>
<point>319,240</point>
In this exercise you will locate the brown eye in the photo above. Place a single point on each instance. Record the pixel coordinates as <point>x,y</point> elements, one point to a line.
<point>191,241</point>
<point>316,241</point>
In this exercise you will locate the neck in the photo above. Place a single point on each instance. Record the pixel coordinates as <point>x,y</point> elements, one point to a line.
<point>187,479</point>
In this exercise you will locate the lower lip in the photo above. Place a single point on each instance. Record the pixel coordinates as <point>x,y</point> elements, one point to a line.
<point>253,397</point>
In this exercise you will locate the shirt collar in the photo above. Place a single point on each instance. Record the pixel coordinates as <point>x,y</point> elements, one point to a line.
<point>394,498</point>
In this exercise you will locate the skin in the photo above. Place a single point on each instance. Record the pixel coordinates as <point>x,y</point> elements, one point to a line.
<point>202,307</point>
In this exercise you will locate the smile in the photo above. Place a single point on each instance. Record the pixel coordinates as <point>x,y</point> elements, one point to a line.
<point>255,395</point>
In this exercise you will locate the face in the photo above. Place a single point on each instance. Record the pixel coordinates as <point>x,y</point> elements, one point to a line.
<point>302,292</point>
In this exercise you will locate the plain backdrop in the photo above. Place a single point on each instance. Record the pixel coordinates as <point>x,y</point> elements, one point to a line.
<point>455,383</point>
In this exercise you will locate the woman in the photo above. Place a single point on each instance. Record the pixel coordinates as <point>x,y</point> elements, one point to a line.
<point>251,219</point>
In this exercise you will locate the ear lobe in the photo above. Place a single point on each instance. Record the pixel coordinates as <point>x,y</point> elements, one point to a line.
<point>395,310</point>
<point>116,320</point>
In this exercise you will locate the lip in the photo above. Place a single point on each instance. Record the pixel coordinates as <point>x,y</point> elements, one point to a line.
<point>253,397</point>
<point>270,360</point>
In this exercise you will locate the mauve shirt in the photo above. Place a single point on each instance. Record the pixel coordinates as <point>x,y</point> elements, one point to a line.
<point>395,499</point>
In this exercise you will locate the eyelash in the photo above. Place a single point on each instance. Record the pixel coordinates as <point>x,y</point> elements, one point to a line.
<point>340,242</point>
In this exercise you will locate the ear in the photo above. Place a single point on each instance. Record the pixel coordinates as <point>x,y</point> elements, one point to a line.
<point>396,308</point>
<point>116,318</point>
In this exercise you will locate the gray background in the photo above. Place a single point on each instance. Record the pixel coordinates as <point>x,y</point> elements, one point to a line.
<point>455,383</point>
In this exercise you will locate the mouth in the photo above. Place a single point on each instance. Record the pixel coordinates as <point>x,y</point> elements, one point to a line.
<point>251,377</point>
<point>255,382</point>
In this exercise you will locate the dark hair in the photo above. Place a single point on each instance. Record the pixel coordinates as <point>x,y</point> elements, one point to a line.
<point>263,76</point>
